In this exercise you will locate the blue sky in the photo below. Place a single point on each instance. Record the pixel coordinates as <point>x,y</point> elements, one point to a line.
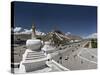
<point>79,20</point>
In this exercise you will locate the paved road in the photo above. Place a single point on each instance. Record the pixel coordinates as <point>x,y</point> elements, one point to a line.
<point>80,60</point>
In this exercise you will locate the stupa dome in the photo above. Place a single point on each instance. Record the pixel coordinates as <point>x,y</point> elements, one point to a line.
<point>33,44</point>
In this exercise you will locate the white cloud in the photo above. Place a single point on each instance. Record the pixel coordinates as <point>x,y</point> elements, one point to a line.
<point>67,33</point>
<point>39,33</point>
<point>93,35</point>
<point>17,29</point>
<point>26,31</point>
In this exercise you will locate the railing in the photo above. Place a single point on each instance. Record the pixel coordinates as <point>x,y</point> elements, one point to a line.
<point>62,68</point>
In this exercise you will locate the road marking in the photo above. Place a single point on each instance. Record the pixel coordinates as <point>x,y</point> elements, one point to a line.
<point>91,53</point>
<point>85,58</point>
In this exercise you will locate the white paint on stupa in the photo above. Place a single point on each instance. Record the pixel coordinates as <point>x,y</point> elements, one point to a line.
<point>33,44</point>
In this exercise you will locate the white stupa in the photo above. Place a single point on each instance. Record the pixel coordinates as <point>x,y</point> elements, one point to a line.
<point>33,58</point>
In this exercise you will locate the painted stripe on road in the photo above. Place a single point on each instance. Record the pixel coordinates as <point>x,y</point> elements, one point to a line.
<point>87,59</point>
